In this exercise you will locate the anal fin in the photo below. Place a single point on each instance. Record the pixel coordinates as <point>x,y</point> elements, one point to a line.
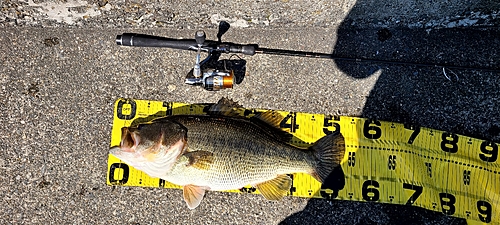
<point>276,188</point>
<point>193,195</point>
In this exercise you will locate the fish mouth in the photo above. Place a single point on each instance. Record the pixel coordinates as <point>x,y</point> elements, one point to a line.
<point>155,165</point>
<point>115,150</point>
<point>130,140</point>
<point>128,144</point>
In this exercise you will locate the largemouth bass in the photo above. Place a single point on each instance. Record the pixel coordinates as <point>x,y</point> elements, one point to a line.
<point>214,152</point>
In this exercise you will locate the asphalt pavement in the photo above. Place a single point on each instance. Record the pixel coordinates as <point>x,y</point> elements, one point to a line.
<point>433,64</point>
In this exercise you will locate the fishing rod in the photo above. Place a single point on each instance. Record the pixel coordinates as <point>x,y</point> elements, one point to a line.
<point>213,74</point>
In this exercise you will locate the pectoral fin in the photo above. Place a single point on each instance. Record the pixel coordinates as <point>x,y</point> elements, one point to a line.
<point>276,188</point>
<point>193,195</point>
<point>200,159</point>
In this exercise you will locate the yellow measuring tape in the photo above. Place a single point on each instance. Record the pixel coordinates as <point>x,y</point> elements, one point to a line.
<point>384,162</point>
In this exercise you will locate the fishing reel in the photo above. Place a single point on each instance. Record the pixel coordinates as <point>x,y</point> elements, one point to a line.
<point>212,80</point>
<point>211,73</point>
<point>208,73</point>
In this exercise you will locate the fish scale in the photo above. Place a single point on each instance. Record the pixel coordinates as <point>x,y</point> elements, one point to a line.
<point>259,158</point>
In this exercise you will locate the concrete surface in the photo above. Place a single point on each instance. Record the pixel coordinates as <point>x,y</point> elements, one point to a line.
<point>61,71</point>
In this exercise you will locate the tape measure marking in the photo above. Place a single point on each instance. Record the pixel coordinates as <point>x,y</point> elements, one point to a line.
<point>384,162</point>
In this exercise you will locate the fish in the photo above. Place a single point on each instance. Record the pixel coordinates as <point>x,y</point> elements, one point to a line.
<point>220,151</point>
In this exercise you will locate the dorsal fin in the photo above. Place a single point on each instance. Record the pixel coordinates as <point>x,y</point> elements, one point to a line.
<point>270,117</point>
<point>269,121</point>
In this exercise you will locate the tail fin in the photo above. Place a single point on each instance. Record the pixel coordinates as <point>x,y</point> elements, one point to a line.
<point>329,152</point>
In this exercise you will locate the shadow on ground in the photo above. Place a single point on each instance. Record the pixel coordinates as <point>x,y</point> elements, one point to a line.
<point>446,79</point>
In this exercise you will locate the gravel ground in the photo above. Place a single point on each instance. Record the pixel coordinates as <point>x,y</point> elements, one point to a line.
<point>61,72</point>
